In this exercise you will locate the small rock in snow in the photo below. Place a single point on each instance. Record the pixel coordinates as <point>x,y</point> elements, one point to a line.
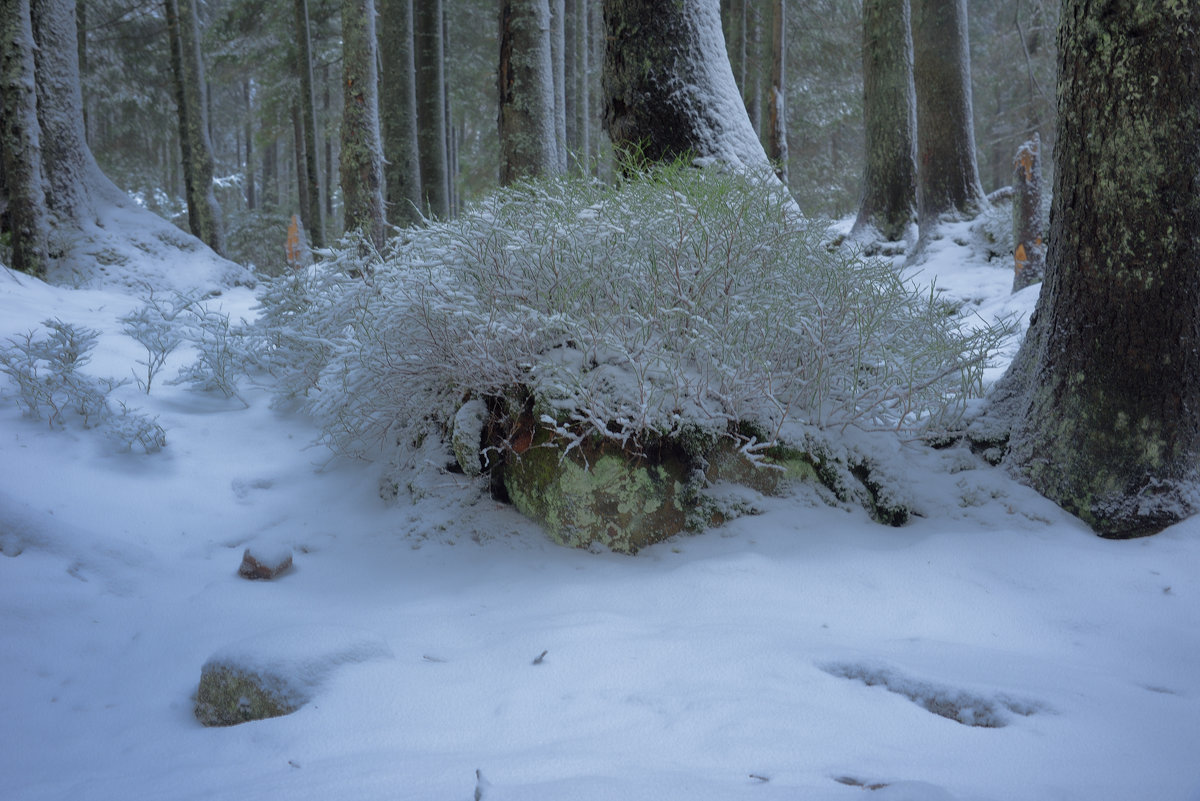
<point>265,564</point>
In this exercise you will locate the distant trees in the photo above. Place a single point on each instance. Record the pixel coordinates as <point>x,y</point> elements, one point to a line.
<point>1105,391</point>
<point>191,102</point>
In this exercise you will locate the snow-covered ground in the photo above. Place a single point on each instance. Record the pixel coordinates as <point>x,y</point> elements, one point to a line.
<point>792,655</point>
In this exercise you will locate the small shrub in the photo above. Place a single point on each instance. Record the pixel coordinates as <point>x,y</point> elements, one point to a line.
<point>155,327</point>
<point>683,298</point>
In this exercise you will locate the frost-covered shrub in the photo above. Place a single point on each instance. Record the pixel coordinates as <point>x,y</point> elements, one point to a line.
<point>50,383</point>
<point>222,350</point>
<point>685,298</point>
<point>155,326</point>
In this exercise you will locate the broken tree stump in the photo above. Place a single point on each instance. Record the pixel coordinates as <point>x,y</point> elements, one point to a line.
<point>1029,253</point>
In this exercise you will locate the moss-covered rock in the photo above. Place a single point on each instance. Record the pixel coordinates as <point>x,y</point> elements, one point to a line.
<point>597,493</point>
<point>229,695</point>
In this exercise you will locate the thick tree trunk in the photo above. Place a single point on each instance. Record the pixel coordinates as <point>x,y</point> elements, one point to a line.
<point>362,152</point>
<point>527,121</point>
<point>21,188</point>
<point>312,213</point>
<point>947,173</point>
<point>669,91</point>
<point>431,107</point>
<point>398,109</point>
<point>889,201</point>
<point>777,144</point>
<point>1109,375</point>
<point>204,213</point>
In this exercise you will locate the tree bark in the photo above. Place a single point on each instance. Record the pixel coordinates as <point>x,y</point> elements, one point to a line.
<point>947,173</point>
<point>204,213</point>
<point>431,107</point>
<point>1108,378</point>
<point>20,142</point>
<point>312,213</point>
<point>362,151</point>
<point>398,109</point>
<point>669,91</point>
<point>527,122</point>
<point>889,199</point>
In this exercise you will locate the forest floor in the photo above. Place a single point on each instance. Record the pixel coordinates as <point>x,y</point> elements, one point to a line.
<point>804,653</point>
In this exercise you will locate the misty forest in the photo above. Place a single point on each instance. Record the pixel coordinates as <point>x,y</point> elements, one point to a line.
<point>600,399</point>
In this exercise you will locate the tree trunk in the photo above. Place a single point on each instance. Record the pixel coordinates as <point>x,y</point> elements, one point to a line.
<point>20,143</point>
<point>302,185</point>
<point>889,201</point>
<point>571,81</point>
<point>669,91</point>
<point>313,214</point>
<point>558,61</point>
<point>777,145</point>
<point>527,110</point>
<point>362,152</point>
<point>398,109</point>
<point>204,213</point>
<point>251,200</point>
<point>431,107</point>
<point>270,176</point>
<point>947,174</point>
<point>1109,374</point>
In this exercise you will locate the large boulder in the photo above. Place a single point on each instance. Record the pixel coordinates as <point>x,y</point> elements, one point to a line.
<point>593,491</point>
<point>277,673</point>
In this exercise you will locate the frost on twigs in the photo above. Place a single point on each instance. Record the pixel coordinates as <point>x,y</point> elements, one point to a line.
<point>51,385</point>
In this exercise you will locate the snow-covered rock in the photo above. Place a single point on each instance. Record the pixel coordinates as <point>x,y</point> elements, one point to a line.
<point>277,673</point>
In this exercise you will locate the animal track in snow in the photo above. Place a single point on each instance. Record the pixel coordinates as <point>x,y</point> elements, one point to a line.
<point>961,706</point>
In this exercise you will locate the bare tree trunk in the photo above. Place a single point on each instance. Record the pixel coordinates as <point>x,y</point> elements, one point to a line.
<point>777,144</point>
<point>558,56</point>
<point>270,176</point>
<point>668,85</point>
<point>947,175</point>
<point>251,203</point>
<point>362,152</point>
<point>398,109</point>
<point>527,122</point>
<point>431,107</point>
<point>302,184</point>
<point>1108,379</point>
<point>312,214</point>
<point>21,188</point>
<point>889,201</point>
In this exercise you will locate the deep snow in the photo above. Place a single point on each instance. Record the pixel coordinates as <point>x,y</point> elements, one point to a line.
<point>792,655</point>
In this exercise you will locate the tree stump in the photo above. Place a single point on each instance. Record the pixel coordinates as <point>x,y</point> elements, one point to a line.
<point>1029,254</point>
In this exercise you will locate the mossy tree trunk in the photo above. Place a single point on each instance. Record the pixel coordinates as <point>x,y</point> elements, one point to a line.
<point>431,107</point>
<point>21,187</point>
<point>1110,371</point>
<point>362,152</point>
<point>1029,255</point>
<point>204,213</point>
<point>669,91</point>
<point>889,201</point>
<point>947,171</point>
<point>312,212</point>
<point>526,83</point>
<point>398,109</point>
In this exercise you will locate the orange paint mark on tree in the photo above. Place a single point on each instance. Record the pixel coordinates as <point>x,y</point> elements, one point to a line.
<point>295,245</point>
